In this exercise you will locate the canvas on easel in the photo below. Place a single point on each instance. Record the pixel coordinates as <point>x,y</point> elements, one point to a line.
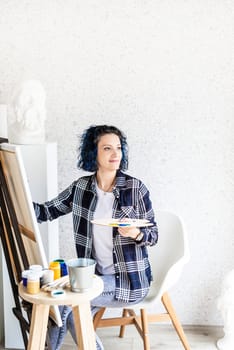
<point>18,188</point>
<point>25,224</point>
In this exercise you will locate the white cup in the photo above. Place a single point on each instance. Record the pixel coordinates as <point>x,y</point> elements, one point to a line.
<point>81,272</point>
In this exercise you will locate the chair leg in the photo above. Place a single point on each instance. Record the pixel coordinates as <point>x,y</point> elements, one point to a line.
<point>122,328</point>
<point>177,325</point>
<point>145,329</point>
<point>97,317</point>
<point>142,328</point>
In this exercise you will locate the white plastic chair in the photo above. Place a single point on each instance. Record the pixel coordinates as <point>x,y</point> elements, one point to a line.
<point>167,259</point>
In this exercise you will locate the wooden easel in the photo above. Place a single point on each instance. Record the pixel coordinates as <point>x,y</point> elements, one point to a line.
<point>14,251</point>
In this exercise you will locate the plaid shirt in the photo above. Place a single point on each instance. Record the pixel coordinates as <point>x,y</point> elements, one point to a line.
<point>131,264</point>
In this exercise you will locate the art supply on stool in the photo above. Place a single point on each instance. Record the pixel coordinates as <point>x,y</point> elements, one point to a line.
<point>33,283</point>
<point>63,267</point>
<point>37,269</point>
<point>55,266</point>
<point>57,293</point>
<point>81,273</point>
<point>24,276</point>
<point>47,276</point>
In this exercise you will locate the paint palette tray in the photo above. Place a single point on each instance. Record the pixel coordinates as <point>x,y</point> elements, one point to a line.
<point>122,222</point>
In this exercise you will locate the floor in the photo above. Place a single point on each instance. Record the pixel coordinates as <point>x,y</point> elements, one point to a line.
<point>161,338</point>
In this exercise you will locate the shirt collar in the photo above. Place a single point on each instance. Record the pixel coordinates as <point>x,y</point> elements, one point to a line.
<point>120,182</point>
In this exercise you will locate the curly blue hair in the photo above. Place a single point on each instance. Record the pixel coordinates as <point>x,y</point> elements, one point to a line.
<point>87,156</point>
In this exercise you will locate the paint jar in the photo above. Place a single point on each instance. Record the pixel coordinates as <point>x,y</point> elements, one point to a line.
<point>47,276</point>
<point>55,266</point>
<point>63,267</point>
<point>33,283</point>
<point>36,268</point>
<point>24,276</point>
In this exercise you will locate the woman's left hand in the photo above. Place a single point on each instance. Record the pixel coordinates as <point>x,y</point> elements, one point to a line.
<point>132,232</point>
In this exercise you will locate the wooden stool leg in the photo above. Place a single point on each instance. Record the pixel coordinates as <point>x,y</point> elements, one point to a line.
<point>38,328</point>
<point>84,323</point>
<point>177,325</point>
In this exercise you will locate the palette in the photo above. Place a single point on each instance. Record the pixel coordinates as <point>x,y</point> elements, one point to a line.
<point>122,222</point>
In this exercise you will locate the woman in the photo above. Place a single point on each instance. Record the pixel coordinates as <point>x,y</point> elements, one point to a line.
<point>120,253</point>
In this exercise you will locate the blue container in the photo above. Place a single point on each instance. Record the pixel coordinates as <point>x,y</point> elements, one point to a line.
<point>63,267</point>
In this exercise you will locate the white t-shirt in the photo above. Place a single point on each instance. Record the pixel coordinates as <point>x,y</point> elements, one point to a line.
<point>102,235</point>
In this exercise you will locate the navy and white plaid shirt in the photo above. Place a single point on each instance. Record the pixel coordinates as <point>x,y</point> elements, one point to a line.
<point>131,264</point>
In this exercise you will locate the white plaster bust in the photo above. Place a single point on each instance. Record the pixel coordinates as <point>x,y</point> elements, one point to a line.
<point>226,306</point>
<point>29,110</point>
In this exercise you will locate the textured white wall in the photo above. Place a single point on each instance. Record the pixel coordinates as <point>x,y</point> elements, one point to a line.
<point>163,72</point>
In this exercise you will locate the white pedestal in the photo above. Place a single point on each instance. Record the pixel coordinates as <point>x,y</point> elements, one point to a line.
<point>40,163</point>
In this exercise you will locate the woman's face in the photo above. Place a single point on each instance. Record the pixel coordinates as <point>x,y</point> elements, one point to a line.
<point>109,152</point>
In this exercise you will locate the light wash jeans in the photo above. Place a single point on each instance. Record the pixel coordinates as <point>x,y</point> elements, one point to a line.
<point>105,299</point>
